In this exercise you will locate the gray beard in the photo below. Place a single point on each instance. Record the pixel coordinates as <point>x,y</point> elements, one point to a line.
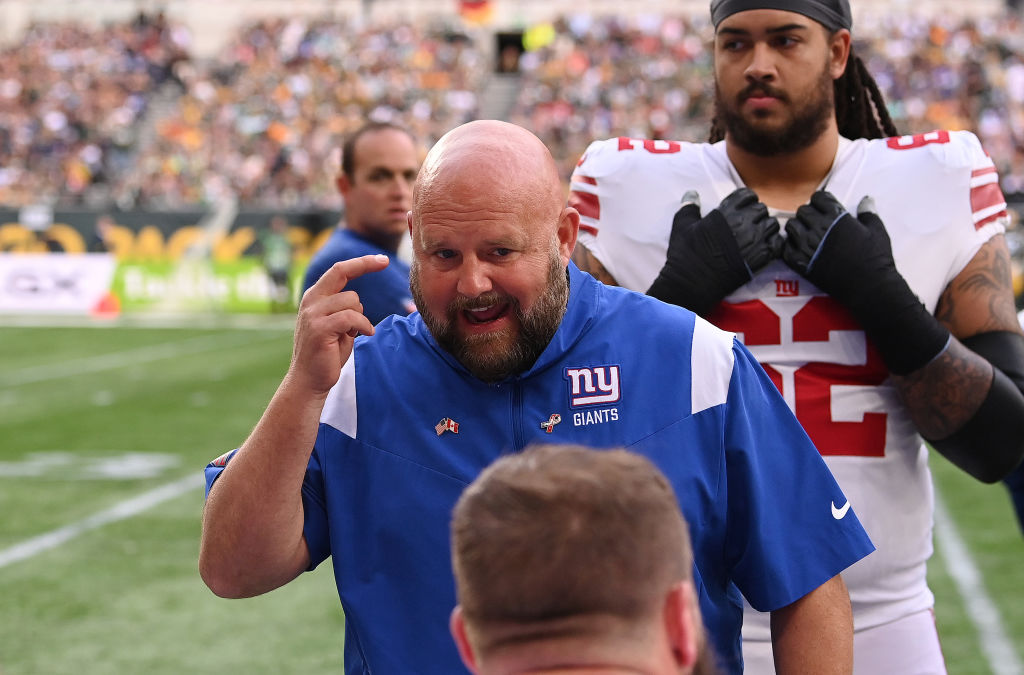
<point>496,356</point>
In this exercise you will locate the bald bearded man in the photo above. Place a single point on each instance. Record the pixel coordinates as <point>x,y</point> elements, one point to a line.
<point>512,345</point>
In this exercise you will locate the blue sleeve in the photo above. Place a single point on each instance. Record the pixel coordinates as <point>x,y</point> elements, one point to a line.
<point>784,539</point>
<point>314,506</point>
<point>216,467</point>
<point>313,503</point>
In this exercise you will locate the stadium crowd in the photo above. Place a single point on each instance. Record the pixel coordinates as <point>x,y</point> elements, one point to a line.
<point>72,103</point>
<point>264,120</point>
<point>126,116</point>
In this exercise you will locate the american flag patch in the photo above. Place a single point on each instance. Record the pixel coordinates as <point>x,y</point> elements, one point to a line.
<point>223,459</point>
<point>446,424</point>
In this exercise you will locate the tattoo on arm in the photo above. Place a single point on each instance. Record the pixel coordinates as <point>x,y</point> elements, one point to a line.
<point>945,394</point>
<point>980,298</point>
<point>586,261</point>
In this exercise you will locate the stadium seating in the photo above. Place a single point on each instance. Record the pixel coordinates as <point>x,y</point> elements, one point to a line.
<point>128,115</point>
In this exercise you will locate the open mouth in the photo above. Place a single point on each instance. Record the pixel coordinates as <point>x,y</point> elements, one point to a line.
<point>486,314</point>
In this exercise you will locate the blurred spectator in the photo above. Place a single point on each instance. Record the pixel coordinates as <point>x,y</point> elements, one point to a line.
<point>99,242</point>
<point>277,260</point>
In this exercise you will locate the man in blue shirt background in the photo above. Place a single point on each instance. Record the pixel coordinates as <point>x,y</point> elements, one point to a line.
<point>378,166</point>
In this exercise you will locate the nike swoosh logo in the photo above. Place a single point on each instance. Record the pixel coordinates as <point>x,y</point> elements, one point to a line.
<point>840,513</point>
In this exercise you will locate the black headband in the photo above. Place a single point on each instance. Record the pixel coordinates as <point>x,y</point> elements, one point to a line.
<point>832,14</point>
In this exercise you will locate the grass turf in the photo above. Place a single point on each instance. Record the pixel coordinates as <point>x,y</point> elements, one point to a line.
<point>158,404</point>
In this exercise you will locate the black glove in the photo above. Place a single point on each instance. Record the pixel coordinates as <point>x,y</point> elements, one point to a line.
<point>851,260</point>
<point>710,257</point>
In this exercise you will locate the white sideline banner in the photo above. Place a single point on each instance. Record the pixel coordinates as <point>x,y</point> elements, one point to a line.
<point>54,283</point>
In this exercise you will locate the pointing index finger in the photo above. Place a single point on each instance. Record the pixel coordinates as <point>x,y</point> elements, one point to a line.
<point>340,273</point>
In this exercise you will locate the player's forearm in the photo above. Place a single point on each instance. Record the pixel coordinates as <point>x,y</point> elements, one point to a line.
<point>815,633</point>
<point>970,412</point>
<point>252,525</point>
<point>945,393</point>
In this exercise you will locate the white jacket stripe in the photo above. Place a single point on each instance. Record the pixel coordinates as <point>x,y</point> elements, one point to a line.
<point>340,408</point>
<point>711,361</point>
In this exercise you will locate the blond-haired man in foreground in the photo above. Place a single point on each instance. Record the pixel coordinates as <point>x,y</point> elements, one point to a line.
<point>567,558</point>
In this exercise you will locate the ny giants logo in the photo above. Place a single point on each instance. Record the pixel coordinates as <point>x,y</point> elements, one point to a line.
<point>593,386</point>
<point>787,288</point>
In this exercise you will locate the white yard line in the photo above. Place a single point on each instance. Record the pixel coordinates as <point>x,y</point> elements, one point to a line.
<point>128,357</point>
<point>120,511</point>
<point>996,646</point>
<point>153,320</point>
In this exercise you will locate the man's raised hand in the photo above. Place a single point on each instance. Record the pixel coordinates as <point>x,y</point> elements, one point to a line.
<point>329,319</point>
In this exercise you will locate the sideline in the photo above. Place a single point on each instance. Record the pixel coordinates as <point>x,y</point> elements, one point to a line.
<point>996,646</point>
<point>155,320</point>
<point>120,511</point>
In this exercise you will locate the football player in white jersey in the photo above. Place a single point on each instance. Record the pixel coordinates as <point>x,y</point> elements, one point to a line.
<point>866,271</point>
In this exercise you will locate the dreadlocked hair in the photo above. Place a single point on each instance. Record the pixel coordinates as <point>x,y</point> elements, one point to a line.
<point>860,109</point>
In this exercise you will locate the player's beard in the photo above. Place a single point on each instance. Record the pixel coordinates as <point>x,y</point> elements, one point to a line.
<point>499,354</point>
<point>807,123</point>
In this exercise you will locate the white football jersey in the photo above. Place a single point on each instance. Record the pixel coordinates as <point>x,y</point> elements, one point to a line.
<point>938,195</point>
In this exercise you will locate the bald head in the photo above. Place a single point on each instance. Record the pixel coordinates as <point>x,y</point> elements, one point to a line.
<point>491,161</point>
<point>491,239</point>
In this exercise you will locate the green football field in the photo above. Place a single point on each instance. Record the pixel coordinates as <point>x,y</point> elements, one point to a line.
<point>104,432</point>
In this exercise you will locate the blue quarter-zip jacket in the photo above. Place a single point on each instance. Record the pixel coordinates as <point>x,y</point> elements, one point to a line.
<point>623,370</point>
